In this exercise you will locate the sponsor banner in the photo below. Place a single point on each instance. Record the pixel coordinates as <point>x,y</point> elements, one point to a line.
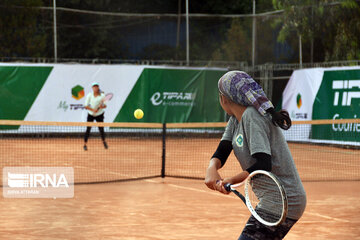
<point>19,87</point>
<point>323,93</point>
<point>57,92</point>
<point>175,95</point>
<point>62,97</point>
<point>340,92</point>
<point>38,182</point>
<point>300,92</point>
<point>298,98</point>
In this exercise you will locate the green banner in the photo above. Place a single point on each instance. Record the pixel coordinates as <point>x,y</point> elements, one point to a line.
<point>174,95</point>
<point>338,98</point>
<point>19,87</point>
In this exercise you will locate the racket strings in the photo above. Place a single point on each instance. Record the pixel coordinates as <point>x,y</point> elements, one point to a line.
<point>266,198</point>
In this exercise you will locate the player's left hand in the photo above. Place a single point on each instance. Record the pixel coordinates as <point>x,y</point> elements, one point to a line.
<point>220,186</point>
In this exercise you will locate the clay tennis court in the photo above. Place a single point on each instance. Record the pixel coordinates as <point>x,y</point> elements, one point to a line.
<point>131,158</point>
<point>169,208</point>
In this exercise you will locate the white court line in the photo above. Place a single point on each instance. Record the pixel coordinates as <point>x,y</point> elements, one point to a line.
<point>169,184</point>
<point>328,217</point>
<point>191,223</point>
<point>219,194</point>
<point>107,171</point>
<point>309,222</point>
<point>199,190</point>
<point>213,193</point>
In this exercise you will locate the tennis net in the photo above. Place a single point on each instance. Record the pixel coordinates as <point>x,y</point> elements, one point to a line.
<point>147,150</point>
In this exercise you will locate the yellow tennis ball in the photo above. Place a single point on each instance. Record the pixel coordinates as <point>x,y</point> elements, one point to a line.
<point>138,114</point>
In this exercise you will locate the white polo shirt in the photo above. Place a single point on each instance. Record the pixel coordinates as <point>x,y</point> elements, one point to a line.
<point>94,102</point>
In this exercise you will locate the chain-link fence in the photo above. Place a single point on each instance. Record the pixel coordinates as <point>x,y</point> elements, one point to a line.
<point>28,32</point>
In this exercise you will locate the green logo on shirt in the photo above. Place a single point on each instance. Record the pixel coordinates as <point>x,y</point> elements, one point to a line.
<point>239,140</point>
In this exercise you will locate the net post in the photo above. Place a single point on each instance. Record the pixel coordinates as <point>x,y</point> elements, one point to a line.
<point>163,151</point>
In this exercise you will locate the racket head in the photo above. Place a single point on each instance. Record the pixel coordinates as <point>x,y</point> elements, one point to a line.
<point>108,97</point>
<point>266,198</point>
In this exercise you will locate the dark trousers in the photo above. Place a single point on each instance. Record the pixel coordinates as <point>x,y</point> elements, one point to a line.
<point>254,230</point>
<point>91,118</point>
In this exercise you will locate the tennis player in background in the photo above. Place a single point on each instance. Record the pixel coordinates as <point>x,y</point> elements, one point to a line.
<point>253,132</point>
<point>95,106</point>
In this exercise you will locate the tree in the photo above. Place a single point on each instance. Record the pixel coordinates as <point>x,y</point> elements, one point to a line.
<point>83,35</point>
<point>20,34</point>
<point>345,24</point>
<point>237,46</point>
<point>332,27</point>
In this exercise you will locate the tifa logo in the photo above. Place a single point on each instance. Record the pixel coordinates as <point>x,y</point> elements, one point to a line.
<point>172,98</point>
<point>16,180</point>
<point>155,99</point>
<point>298,101</point>
<point>239,140</point>
<point>348,95</point>
<point>77,92</point>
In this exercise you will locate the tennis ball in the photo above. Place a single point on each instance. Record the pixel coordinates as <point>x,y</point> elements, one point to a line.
<point>138,114</point>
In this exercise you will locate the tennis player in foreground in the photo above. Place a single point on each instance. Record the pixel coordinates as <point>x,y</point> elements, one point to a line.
<point>94,103</point>
<point>254,133</point>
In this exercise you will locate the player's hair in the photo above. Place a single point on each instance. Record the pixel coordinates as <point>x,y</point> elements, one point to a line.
<point>281,118</point>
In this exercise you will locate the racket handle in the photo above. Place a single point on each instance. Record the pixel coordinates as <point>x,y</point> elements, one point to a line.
<point>227,187</point>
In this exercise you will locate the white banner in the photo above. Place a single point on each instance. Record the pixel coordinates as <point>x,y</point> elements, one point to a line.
<point>298,99</point>
<point>63,95</point>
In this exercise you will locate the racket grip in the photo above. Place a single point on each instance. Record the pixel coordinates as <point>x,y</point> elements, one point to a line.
<point>227,187</point>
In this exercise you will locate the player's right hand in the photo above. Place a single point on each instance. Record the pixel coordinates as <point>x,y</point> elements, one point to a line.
<point>212,177</point>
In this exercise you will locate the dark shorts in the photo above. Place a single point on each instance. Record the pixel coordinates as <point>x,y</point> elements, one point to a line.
<point>91,118</point>
<point>254,230</point>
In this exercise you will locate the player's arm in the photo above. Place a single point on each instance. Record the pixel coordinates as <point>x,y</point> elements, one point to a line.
<point>217,161</point>
<point>91,109</point>
<point>263,162</point>
<point>212,174</point>
<point>103,105</point>
<point>87,104</point>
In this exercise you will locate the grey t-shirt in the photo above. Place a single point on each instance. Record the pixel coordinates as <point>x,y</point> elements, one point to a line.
<point>257,134</point>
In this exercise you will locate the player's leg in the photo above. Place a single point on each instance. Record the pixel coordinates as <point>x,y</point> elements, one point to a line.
<point>88,129</point>
<point>101,130</point>
<point>255,230</point>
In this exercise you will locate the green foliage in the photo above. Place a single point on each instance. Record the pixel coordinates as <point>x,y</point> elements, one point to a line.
<point>20,34</point>
<point>300,16</point>
<point>335,27</point>
<point>237,45</point>
<point>345,41</point>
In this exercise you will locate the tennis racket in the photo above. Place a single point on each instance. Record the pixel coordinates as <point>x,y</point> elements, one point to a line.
<point>265,197</point>
<point>107,98</point>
